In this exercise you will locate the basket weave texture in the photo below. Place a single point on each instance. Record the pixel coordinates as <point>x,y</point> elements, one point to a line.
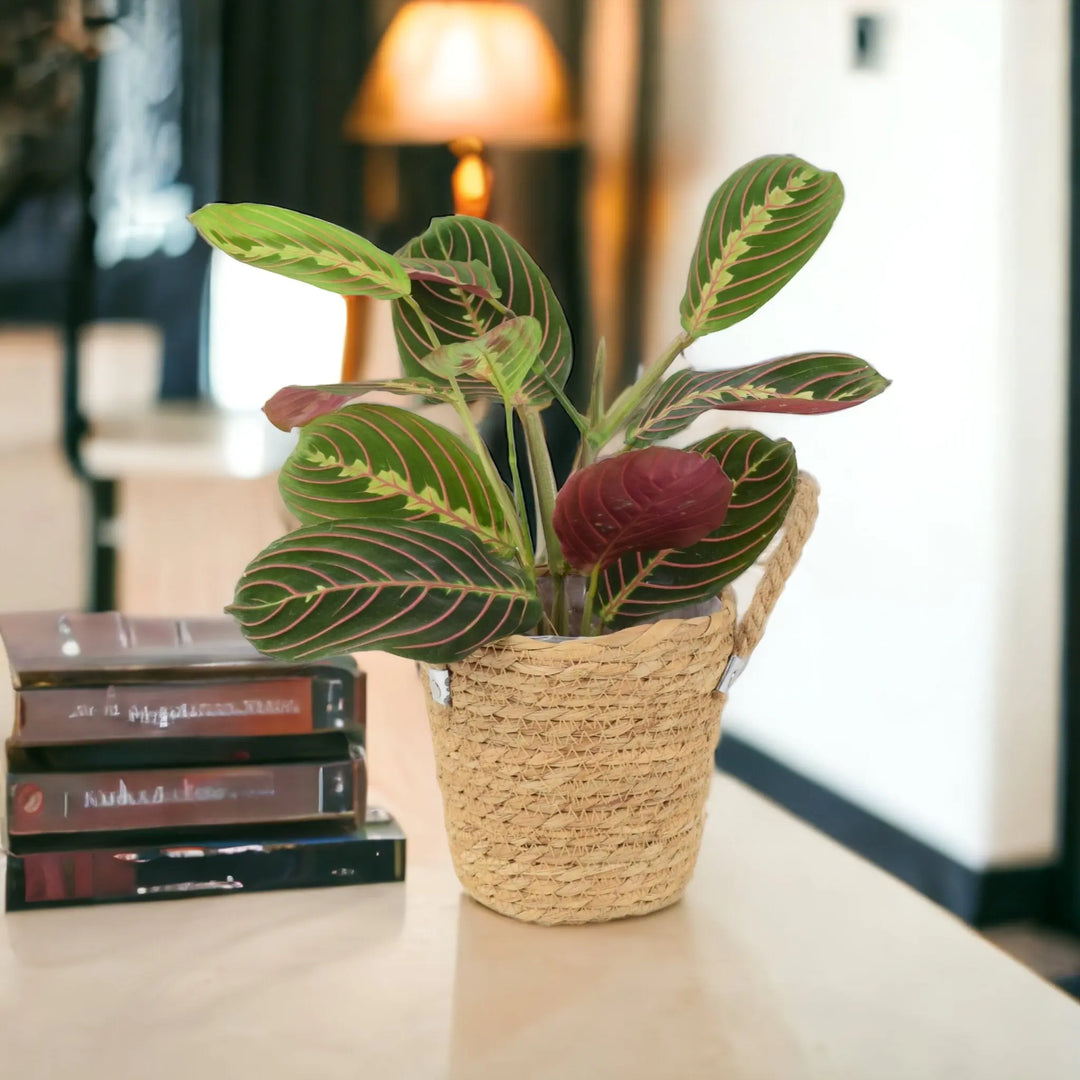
<point>574,772</point>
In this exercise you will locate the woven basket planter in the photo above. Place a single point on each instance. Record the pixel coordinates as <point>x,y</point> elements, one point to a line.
<point>574,772</point>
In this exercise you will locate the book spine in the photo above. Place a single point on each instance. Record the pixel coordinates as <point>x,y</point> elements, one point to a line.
<point>331,700</point>
<point>171,798</point>
<point>82,877</point>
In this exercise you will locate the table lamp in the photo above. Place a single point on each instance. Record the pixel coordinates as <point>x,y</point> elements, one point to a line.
<point>465,73</point>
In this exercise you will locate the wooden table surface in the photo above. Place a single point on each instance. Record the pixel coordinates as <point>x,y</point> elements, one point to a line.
<point>184,439</point>
<point>789,958</point>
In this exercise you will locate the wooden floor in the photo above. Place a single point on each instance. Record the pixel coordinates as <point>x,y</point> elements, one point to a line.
<point>1053,954</point>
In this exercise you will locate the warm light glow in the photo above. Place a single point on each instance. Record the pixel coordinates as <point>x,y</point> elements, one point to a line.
<point>471,179</point>
<point>446,68</point>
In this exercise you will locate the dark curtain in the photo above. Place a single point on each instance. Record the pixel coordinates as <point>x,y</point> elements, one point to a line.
<point>43,240</point>
<point>169,289</point>
<point>290,72</point>
<point>265,87</point>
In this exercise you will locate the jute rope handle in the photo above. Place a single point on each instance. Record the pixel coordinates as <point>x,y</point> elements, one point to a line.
<point>798,524</point>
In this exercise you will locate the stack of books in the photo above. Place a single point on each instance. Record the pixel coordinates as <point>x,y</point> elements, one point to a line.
<point>154,758</point>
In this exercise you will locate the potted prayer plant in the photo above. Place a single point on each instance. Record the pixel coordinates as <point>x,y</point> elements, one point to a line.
<point>575,679</point>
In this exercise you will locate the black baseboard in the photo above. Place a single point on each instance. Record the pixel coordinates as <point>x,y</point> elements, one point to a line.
<point>981,898</point>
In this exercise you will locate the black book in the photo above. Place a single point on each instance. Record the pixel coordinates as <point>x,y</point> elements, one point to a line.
<point>60,872</point>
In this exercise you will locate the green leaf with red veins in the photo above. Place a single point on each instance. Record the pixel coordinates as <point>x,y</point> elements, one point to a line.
<point>303,248</point>
<point>760,229</point>
<point>644,585</point>
<point>424,590</point>
<point>806,383</point>
<point>456,315</point>
<point>380,461</point>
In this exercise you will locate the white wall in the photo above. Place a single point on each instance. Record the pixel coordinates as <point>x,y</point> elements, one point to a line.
<point>913,663</point>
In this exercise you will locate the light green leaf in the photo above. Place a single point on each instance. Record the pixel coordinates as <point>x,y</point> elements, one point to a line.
<point>303,248</point>
<point>503,357</point>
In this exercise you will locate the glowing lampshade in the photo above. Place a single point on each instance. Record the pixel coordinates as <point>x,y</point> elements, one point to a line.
<point>447,68</point>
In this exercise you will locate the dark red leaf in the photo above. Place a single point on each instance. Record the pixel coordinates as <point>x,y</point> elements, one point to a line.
<point>644,500</point>
<point>295,406</point>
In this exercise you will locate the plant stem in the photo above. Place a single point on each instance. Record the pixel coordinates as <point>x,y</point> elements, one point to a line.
<point>579,421</point>
<point>513,508</point>
<point>628,401</point>
<point>499,306</point>
<point>595,412</point>
<point>506,500</point>
<point>590,600</point>
<point>511,451</point>
<point>425,322</point>
<point>544,482</point>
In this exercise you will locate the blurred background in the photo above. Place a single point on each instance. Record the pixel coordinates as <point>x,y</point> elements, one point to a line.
<point>917,695</point>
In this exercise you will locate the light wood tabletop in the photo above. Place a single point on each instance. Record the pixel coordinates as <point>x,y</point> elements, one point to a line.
<point>184,439</point>
<point>788,958</point>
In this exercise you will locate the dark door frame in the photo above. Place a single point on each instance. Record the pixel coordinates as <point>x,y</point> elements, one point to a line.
<point>1068,891</point>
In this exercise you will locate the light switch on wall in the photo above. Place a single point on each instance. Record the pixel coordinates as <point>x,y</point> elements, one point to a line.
<point>869,35</point>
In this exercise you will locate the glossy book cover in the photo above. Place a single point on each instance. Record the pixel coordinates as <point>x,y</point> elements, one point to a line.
<point>66,648</point>
<point>147,799</point>
<point>323,701</point>
<point>104,676</point>
<point>181,752</point>
<point>294,858</point>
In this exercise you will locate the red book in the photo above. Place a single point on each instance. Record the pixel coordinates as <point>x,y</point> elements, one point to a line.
<point>324,700</point>
<point>102,677</point>
<point>147,799</point>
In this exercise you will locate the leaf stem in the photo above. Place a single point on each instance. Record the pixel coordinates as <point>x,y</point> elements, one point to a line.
<point>544,482</point>
<point>627,403</point>
<point>595,411</point>
<point>425,322</point>
<point>515,473</point>
<point>590,600</point>
<point>560,395</point>
<point>579,421</point>
<point>506,500</point>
